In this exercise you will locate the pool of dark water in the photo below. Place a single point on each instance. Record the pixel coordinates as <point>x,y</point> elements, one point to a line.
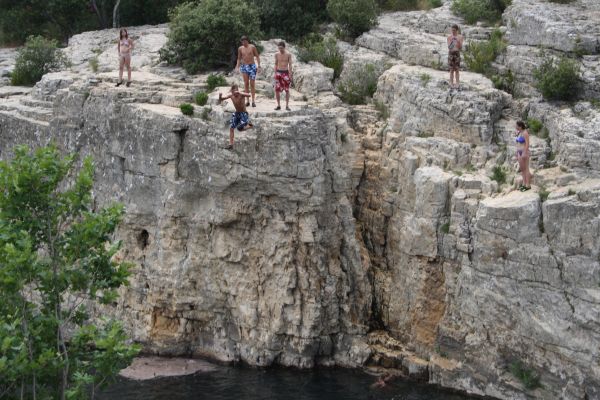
<point>234,383</point>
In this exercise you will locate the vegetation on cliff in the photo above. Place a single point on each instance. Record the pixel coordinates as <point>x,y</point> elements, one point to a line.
<point>59,19</point>
<point>57,255</point>
<point>38,57</point>
<point>206,35</point>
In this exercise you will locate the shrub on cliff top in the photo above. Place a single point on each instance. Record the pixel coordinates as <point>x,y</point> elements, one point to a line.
<point>359,84</point>
<point>406,5</point>
<point>214,81</point>
<point>480,10</point>
<point>201,98</point>
<point>325,51</point>
<point>558,79</point>
<point>187,109</point>
<point>480,55</point>
<point>354,16</point>
<point>290,19</point>
<point>38,57</point>
<point>206,35</point>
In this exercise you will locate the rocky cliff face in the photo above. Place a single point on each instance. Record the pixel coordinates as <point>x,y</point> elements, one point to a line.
<point>338,235</point>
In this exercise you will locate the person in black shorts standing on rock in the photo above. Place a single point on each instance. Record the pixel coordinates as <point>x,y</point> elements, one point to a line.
<point>455,42</point>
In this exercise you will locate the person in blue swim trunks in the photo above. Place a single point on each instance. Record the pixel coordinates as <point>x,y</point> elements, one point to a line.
<point>247,53</point>
<point>522,139</point>
<point>240,119</point>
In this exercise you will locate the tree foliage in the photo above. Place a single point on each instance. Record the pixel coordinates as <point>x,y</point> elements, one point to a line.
<point>480,55</point>
<point>56,255</point>
<point>480,10</point>
<point>206,35</point>
<point>59,19</point>
<point>290,19</point>
<point>354,16</point>
<point>324,50</point>
<point>558,79</point>
<point>38,57</point>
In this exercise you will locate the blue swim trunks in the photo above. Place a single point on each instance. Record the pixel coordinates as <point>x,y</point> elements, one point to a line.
<point>250,70</point>
<point>239,120</point>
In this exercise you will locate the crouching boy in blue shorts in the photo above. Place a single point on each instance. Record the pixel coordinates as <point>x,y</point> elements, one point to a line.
<point>240,118</point>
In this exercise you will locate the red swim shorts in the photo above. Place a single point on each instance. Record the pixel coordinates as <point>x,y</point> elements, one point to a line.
<point>282,81</point>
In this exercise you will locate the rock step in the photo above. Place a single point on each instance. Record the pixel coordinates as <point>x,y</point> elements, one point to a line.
<point>382,338</point>
<point>156,84</point>
<point>40,114</point>
<point>31,102</point>
<point>12,114</point>
<point>407,363</point>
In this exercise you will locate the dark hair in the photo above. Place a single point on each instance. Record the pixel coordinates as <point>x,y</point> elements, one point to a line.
<point>521,124</point>
<point>455,26</point>
<point>234,86</point>
<point>244,38</point>
<point>282,44</point>
<point>121,33</point>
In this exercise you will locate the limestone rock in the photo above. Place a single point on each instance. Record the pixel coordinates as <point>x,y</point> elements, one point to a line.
<point>567,27</point>
<point>421,104</point>
<point>102,46</point>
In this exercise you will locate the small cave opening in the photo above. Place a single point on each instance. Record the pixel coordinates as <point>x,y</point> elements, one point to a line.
<point>143,239</point>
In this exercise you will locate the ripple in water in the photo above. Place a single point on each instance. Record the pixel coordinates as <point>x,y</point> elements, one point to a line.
<point>229,383</point>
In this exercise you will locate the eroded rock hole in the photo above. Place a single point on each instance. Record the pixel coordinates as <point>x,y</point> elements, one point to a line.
<point>143,239</point>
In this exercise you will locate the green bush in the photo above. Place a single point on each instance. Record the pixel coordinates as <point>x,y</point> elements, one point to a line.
<point>56,246</point>
<point>38,57</point>
<point>498,175</point>
<point>480,55</point>
<point>558,79</point>
<point>535,125</point>
<point>445,228</point>
<point>325,51</point>
<point>214,81</point>
<point>354,16</point>
<point>205,35</point>
<point>290,19</point>
<point>406,5</point>
<point>201,98</point>
<point>359,84</point>
<point>399,5</point>
<point>528,378</point>
<point>504,81</point>
<point>187,109</point>
<point>480,10</point>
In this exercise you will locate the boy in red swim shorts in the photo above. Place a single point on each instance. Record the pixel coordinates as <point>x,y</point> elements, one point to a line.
<point>283,75</point>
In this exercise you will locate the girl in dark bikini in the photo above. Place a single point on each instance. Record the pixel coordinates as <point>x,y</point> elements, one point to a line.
<point>522,139</point>
<point>124,48</point>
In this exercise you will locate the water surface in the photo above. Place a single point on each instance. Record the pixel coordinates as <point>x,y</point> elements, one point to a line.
<point>236,383</point>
